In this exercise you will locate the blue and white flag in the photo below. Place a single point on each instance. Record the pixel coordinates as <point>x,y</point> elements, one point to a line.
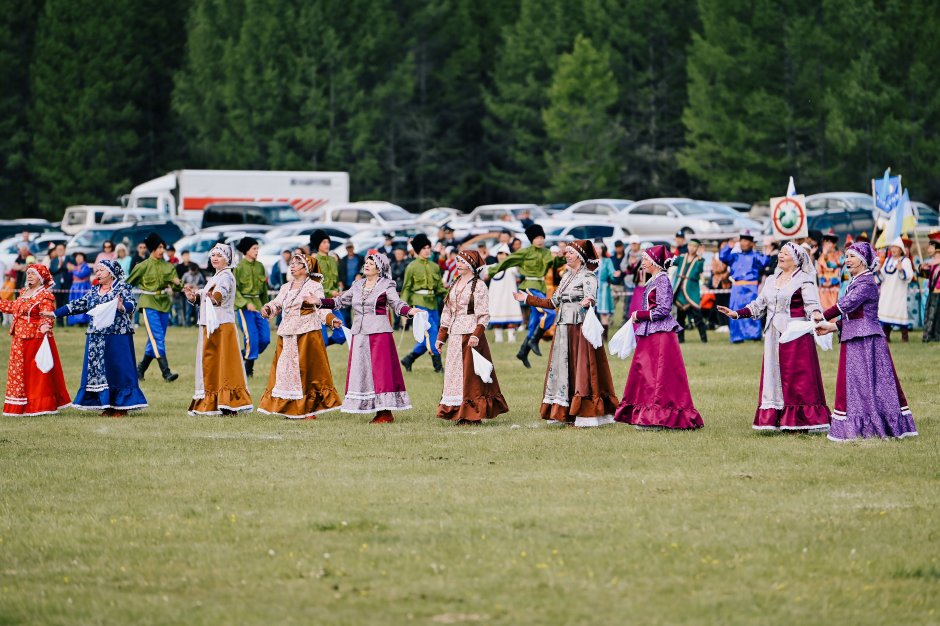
<point>887,192</point>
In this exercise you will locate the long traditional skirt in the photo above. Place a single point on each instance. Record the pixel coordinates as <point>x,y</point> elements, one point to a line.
<point>29,391</point>
<point>109,375</point>
<point>300,385</point>
<point>466,397</point>
<point>657,390</point>
<point>792,396</point>
<point>932,318</point>
<point>578,385</point>
<point>869,398</point>
<point>373,379</point>
<point>220,374</point>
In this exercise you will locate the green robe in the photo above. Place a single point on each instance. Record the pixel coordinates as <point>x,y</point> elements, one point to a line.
<point>533,264</point>
<point>423,275</point>
<point>251,284</point>
<point>330,270</point>
<point>152,276</point>
<point>686,283</point>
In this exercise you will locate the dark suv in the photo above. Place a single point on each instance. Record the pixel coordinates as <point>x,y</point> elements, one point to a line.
<point>89,240</point>
<point>229,213</point>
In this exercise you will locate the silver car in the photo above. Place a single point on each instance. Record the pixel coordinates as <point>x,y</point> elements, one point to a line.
<point>667,216</point>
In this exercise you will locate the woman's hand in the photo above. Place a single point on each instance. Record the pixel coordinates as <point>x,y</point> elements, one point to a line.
<point>312,300</point>
<point>337,323</point>
<point>727,312</point>
<point>519,296</point>
<point>817,316</point>
<point>825,328</point>
<point>474,341</point>
<point>412,311</point>
<point>265,311</point>
<point>439,345</point>
<point>120,304</point>
<point>48,315</point>
<point>45,328</point>
<point>633,317</point>
<point>587,302</point>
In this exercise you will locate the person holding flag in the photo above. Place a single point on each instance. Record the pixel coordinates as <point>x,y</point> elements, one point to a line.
<point>422,286</point>
<point>746,268</point>
<point>688,289</point>
<point>251,293</point>
<point>534,262</point>
<point>153,277</point>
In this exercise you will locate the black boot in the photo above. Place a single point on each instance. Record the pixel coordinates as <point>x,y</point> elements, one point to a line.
<point>168,376</point>
<point>703,335</point>
<point>249,368</point>
<point>887,330</point>
<point>523,354</point>
<point>409,360</point>
<point>681,335</point>
<point>142,366</point>
<point>436,360</point>
<point>534,342</point>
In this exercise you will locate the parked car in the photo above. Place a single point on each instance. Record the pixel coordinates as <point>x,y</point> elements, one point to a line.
<point>200,244</point>
<point>89,240</point>
<point>592,208</point>
<point>8,228</point>
<point>554,208</point>
<point>374,237</point>
<point>229,213</point>
<point>740,207</point>
<point>488,217</point>
<point>845,200</point>
<point>928,218</point>
<point>592,231</point>
<point>342,231</point>
<point>741,221</point>
<point>439,216</point>
<point>367,214</point>
<point>667,216</point>
<point>270,252</point>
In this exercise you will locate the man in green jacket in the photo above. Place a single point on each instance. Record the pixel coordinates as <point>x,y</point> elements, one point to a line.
<point>152,277</point>
<point>251,293</point>
<point>329,268</point>
<point>534,261</point>
<point>421,288</point>
<point>687,288</point>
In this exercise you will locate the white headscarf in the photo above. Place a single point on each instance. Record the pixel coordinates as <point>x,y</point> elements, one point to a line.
<point>804,262</point>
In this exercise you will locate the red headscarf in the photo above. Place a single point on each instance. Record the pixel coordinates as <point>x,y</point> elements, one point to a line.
<point>44,274</point>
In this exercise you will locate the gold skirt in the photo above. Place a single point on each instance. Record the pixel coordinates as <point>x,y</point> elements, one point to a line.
<point>221,384</point>
<point>316,379</point>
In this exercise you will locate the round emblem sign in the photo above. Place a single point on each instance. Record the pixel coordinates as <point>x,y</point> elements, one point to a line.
<point>788,217</point>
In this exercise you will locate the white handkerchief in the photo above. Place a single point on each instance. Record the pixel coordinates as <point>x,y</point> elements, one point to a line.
<point>44,356</point>
<point>420,325</point>
<point>482,367</point>
<point>348,334</point>
<point>623,343</point>
<point>592,329</point>
<point>823,341</point>
<point>796,329</point>
<point>102,316</point>
<point>212,318</point>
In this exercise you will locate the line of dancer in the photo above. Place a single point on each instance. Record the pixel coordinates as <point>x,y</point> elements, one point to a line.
<point>578,388</point>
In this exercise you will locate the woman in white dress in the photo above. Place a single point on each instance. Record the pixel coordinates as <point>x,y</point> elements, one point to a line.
<point>505,312</point>
<point>896,274</point>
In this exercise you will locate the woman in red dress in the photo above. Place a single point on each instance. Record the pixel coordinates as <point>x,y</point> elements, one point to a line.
<point>30,391</point>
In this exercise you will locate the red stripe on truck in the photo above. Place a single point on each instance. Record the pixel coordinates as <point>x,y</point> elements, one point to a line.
<point>301,204</point>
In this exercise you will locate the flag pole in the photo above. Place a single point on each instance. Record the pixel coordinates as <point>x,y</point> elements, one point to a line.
<point>876,213</point>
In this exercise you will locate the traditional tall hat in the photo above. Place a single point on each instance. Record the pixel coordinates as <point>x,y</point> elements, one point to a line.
<point>316,238</point>
<point>533,231</point>
<point>864,251</point>
<point>245,244</point>
<point>471,258</point>
<point>586,251</point>
<point>154,241</point>
<point>831,236</point>
<point>420,241</point>
<point>658,255</point>
<point>900,242</point>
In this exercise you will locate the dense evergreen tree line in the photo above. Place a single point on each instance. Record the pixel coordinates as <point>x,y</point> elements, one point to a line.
<point>459,102</point>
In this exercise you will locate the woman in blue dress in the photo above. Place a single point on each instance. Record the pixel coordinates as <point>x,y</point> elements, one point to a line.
<point>109,373</point>
<point>81,284</point>
<point>606,274</point>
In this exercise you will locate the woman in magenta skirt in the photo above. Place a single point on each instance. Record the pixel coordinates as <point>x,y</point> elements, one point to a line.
<point>657,393</point>
<point>792,396</point>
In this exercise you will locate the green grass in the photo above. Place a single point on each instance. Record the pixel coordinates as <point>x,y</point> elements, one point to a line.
<point>163,518</point>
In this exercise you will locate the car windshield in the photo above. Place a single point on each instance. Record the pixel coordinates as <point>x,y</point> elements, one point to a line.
<point>93,237</point>
<point>196,244</point>
<point>620,206</point>
<point>395,216</point>
<point>720,208</point>
<point>534,212</point>
<point>555,232</point>
<point>691,208</point>
<point>281,214</point>
<point>863,202</point>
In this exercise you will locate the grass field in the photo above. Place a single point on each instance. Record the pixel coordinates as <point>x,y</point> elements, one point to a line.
<point>162,518</point>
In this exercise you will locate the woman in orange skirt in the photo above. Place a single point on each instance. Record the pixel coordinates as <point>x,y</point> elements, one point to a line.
<point>221,385</point>
<point>300,385</point>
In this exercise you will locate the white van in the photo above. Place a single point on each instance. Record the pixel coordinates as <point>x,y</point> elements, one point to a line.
<point>78,218</point>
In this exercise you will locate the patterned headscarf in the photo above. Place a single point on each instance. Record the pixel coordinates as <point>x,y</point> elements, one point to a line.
<point>114,268</point>
<point>310,262</point>
<point>45,276</point>
<point>382,263</point>
<point>864,251</point>
<point>225,250</point>
<point>659,255</point>
<point>804,261</point>
<point>471,258</point>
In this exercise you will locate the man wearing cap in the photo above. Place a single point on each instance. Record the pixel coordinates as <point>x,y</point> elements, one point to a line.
<point>153,277</point>
<point>251,293</point>
<point>320,248</point>
<point>534,261</point>
<point>687,288</point>
<point>421,288</point>
<point>681,247</point>
<point>448,236</point>
<point>930,269</point>
<point>746,267</point>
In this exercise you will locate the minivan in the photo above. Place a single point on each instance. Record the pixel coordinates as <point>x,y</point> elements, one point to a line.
<point>228,213</point>
<point>78,218</point>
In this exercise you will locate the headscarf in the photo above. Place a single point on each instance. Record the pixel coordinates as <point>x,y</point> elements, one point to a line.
<point>382,263</point>
<point>471,258</point>
<point>114,268</point>
<point>310,262</point>
<point>659,255</point>
<point>804,261</point>
<point>864,251</point>
<point>45,276</point>
<point>226,251</point>
<point>586,251</point>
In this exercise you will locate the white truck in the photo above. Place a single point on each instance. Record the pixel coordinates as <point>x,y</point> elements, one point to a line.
<point>183,194</point>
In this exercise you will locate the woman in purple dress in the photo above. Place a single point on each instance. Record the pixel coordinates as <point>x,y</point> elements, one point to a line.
<point>657,393</point>
<point>869,398</point>
<point>374,383</point>
<point>792,396</point>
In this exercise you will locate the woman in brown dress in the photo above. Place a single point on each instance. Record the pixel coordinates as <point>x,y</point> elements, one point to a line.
<point>466,398</point>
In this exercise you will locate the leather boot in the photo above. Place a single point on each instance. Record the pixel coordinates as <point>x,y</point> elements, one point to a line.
<point>249,368</point>
<point>523,354</point>
<point>168,376</point>
<point>436,360</point>
<point>703,335</point>
<point>887,330</point>
<point>904,335</point>
<point>534,342</point>
<point>409,360</point>
<point>142,366</point>
<point>681,335</point>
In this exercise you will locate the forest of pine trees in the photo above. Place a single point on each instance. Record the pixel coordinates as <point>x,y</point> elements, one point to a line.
<point>460,102</point>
